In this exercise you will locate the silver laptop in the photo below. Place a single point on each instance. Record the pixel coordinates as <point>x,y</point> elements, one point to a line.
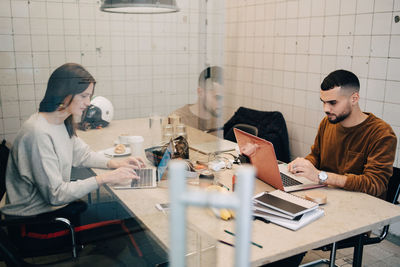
<point>147,180</point>
<point>216,146</point>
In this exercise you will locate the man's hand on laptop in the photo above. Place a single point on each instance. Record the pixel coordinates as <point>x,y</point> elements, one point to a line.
<point>303,167</point>
<point>249,149</point>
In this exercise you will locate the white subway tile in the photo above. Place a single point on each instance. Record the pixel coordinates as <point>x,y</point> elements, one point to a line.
<point>301,62</point>
<point>8,76</point>
<point>22,43</point>
<point>365,6</point>
<point>315,45</point>
<point>343,62</point>
<point>301,81</point>
<point>393,69</point>
<point>26,92</point>
<point>54,10</point>
<point>40,43</point>
<point>24,76</point>
<point>72,43</point>
<point>303,27</point>
<point>380,46</point>
<point>38,26</point>
<point>70,10</point>
<point>375,107</point>
<point>280,10</point>
<point>56,43</point>
<point>10,109</point>
<point>11,125</point>
<point>394,46</point>
<point>5,8</point>
<point>41,75</point>
<point>37,9</point>
<point>317,8</point>
<point>348,7</point>
<point>360,66</point>
<point>71,27</point>
<point>7,60</point>
<point>292,9</point>
<point>5,26</point>
<point>347,24</point>
<point>363,24</point>
<point>328,64</point>
<point>21,26</point>
<point>375,89</point>
<point>55,27</point>
<point>23,60</point>
<point>302,45</point>
<point>392,93</point>
<point>304,8</point>
<point>40,60</point>
<point>396,7</point>
<point>362,46</point>
<point>345,46</point>
<point>330,45</point>
<point>331,25</point>
<point>9,93</point>
<point>6,43</point>
<point>391,114</point>
<point>86,11</point>
<point>19,9</point>
<point>383,6</point>
<point>317,26</point>
<point>381,23</point>
<point>332,7</point>
<point>377,68</point>
<point>27,108</point>
<point>88,43</point>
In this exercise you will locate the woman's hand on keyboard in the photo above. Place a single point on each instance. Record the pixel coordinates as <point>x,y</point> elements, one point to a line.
<point>129,162</point>
<point>121,175</point>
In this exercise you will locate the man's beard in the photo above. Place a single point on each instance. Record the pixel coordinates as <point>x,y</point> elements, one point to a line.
<point>214,112</point>
<point>339,118</point>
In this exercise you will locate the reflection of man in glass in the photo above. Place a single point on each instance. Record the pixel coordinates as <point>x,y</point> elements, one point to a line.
<point>205,112</point>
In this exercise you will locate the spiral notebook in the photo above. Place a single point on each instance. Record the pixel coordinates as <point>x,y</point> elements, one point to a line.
<point>285,202</point>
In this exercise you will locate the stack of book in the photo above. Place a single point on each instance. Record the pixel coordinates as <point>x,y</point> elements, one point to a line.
<point>285,209</point>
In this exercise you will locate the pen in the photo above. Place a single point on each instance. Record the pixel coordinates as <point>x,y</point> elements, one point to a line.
<point>224,186</point>
<point>226,243</point>
<point>255,244</point>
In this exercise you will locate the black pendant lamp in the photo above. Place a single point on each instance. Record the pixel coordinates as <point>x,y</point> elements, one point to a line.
<point>139,6</point>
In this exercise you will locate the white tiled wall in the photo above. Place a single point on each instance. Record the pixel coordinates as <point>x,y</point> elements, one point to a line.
<point>277,52</point>
<point>143,63</point>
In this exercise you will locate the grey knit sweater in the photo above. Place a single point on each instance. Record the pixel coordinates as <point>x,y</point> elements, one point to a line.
<point>39,168</point>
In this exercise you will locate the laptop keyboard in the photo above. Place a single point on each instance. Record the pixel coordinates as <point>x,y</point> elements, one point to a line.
<point>147,178</point>
<point>288,181</point>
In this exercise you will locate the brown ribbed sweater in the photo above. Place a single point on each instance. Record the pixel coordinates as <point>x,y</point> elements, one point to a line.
<point>364,153</point>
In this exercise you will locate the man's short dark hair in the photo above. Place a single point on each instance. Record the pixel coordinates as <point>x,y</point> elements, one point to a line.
<point>341,78</point>
<point>214,73</point>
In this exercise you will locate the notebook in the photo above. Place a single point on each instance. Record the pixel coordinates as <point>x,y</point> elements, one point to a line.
<point>284,202</point>
<point>268,170</point>
<point>147,180</point>
<point>217,146</point>
<point>294,225</point>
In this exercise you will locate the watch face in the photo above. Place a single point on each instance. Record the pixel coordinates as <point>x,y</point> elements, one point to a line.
<point>323,176</point>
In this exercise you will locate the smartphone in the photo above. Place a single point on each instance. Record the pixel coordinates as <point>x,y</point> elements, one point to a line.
<point>162,206</point>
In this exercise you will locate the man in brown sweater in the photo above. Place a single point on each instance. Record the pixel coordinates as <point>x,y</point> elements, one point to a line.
<point>353,150</point>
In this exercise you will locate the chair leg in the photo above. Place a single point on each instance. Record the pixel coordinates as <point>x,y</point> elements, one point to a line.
<point>358,252</point>
<point>71,228</point>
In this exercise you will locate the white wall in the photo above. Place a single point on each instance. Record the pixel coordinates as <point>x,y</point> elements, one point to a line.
<point>277,52</point>
<point>143,63</point>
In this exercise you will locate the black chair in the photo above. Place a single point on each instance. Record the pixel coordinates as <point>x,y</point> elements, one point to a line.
<point>8,250</point>
<point>358,242</point>
<point>269,125</point>
<point>230,135</point>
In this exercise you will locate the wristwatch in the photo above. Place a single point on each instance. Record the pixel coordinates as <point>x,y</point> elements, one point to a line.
<point>323,176</point>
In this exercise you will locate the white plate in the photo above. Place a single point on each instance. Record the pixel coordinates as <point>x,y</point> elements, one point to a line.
<point>110,152</point>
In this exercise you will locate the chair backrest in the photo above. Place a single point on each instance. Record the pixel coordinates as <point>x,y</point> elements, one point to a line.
<point>241,126</point>
<point>394,186</point>
<point>4,152</point>
<point>271,126</point>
